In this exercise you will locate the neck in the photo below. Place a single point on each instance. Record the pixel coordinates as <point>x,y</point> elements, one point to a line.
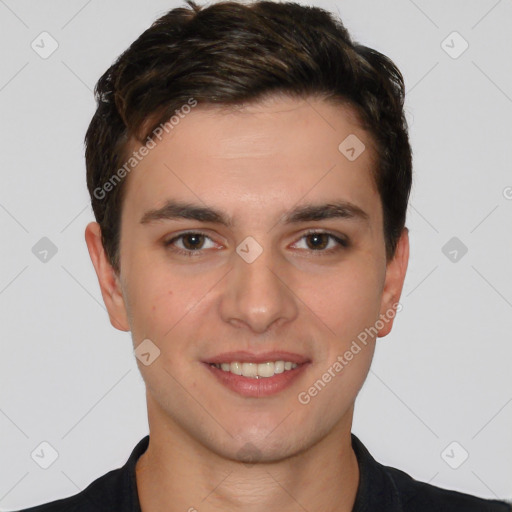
<point>176,473</point>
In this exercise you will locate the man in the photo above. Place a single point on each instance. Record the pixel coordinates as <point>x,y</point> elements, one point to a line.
<point>249,169</point>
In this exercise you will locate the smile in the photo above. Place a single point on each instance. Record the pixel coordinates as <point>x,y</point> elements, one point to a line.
<point>256,370</point>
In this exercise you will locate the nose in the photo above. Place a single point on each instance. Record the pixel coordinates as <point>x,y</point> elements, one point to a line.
<point>257,294</point>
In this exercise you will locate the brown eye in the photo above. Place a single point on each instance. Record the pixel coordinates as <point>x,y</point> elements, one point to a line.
<point>193,241</point>
<point>190,243</point>
<point>321,242</point>
<point>318,240</point>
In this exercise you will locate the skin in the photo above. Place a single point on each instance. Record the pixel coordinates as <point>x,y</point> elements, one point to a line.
<point>253,164</point>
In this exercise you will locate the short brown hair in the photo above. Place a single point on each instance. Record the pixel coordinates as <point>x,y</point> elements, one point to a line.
<point>231,53</point>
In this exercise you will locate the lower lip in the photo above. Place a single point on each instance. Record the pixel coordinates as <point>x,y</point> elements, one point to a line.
<point>264,386</point>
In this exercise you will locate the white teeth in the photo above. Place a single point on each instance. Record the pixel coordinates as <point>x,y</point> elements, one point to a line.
<point>257,370</point>
<point>249,369</point>
<point>279,367</point>
<point>236,368</point>
<point>266,369</point>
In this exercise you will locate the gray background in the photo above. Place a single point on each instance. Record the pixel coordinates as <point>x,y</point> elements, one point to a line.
<point>67,377</point>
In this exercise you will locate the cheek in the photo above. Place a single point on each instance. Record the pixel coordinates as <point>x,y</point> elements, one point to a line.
<point>156,299</point>
<point>165,304</point>
<point>346,300</point>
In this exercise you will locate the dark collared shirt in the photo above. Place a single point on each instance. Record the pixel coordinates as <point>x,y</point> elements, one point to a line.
<point>381,489</point>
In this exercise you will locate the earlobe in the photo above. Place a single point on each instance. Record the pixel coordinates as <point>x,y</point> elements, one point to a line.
<point>107,278</point>
<point>395,276</point>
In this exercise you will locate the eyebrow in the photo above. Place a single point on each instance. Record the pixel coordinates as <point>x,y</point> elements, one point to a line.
<point>173,210</point>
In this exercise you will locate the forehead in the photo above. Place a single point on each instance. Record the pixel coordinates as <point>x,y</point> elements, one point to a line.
<point>265,154</point>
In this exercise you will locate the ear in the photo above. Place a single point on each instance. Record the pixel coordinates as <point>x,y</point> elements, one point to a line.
<point>108,279</point>
<point>395,276</point>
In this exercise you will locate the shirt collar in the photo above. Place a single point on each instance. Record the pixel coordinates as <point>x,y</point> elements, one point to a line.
<point>131,483</point>
<point>376,489</point>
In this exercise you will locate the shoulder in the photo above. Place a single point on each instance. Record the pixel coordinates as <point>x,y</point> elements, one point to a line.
<point>115,490</point>
<point>416,495</point>
<point>98,496</point>
<point>389,489</point>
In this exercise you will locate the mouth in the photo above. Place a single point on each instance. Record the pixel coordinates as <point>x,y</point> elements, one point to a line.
<point>255,375</point>
<point>256,370</point>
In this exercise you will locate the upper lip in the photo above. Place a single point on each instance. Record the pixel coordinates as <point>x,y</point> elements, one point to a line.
<point>251,357</point>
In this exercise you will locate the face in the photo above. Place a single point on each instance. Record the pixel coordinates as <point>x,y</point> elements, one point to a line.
<point>252,272</point>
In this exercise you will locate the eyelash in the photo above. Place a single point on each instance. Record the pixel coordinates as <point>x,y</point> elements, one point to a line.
<point>342,243</point>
